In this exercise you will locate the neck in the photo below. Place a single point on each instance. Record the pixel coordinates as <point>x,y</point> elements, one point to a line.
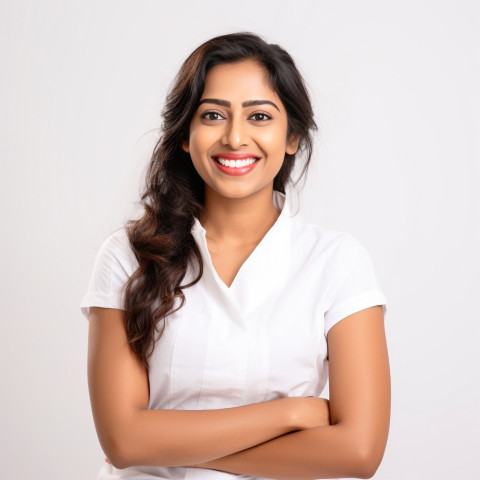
<point>239,221</point>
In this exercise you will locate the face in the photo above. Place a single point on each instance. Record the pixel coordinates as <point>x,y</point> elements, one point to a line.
<point>238,134</point>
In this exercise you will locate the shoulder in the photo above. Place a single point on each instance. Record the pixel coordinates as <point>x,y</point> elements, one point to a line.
<point>115,256</point>
<point>311,238</point>
<point>117,247</point>
<point>328,257</point>
<point>339,266</point>
<point>114,264</point>
<point>117,240</point>
<point>315,241</point>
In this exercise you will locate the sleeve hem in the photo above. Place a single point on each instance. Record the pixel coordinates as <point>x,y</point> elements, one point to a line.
<point>94,299</point>
<point>353,305</point>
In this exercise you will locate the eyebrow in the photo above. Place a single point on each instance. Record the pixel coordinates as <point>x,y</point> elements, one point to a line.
<point>226,103</point>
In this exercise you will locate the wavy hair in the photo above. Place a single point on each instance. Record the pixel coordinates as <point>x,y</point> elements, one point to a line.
<point>174,192</point>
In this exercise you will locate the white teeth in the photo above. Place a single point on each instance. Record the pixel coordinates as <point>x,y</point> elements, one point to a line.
<point>235,163</point>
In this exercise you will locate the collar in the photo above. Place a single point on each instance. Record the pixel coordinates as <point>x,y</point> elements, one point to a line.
<point>264,270</point>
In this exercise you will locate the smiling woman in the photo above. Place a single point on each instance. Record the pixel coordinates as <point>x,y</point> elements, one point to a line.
<point>239,118</point>
<point>217,318</point>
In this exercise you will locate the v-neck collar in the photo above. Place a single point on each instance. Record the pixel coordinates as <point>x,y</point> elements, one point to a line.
<point>264,270</point>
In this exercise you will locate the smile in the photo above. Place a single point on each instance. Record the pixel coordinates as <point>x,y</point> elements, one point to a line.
<point>235,166</point>
<point>235,163</point>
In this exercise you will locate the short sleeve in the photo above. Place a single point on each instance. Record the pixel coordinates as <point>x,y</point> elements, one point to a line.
<point>114,264</point>
<point>357,288</point>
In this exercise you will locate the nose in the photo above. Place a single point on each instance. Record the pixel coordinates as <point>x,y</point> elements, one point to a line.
<point>235,134</point>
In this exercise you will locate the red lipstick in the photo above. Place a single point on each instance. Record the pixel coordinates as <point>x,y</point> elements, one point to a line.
<point>235,163</point>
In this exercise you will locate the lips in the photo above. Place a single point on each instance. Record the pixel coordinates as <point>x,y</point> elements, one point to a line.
<point>235,163</point>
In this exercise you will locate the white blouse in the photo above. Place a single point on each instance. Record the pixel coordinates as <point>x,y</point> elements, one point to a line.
<point>262,338</point>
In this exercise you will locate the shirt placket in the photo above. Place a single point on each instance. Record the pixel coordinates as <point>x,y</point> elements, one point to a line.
<point>237,352</point>
<point>226,362</point>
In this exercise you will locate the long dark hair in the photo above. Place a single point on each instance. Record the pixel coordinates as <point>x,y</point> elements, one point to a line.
<point>174,192</point>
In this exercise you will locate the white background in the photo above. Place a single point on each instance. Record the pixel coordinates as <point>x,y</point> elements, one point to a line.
<point>395,87</point>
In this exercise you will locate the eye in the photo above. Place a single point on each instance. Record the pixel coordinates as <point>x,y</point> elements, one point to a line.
<point>261,117</point>
<point>211,116</point>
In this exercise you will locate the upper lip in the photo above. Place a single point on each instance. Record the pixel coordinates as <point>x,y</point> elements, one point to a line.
<point>235,156</point>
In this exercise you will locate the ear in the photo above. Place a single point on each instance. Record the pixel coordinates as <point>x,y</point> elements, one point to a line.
<point>186,146</point>
<point>293,142</point>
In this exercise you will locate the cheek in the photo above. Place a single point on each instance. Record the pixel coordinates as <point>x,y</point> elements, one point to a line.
<point>201,140</point>
<point>273,141</point>
<point>200,144</point>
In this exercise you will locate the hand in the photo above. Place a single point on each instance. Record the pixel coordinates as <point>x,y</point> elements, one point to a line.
<point>305,413</point>
<point>310,412</point>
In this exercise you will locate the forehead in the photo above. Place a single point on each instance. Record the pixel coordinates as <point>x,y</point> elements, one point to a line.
<point>246,80</point>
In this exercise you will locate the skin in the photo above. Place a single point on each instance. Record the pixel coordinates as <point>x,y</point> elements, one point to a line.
<point>354,444</point>
<point>289,438</point>
<point>238,209</point>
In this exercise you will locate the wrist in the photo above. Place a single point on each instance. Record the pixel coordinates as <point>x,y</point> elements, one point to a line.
<point>294,413</point>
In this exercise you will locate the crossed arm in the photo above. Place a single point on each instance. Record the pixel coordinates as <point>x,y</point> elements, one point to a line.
<point>290,438</point>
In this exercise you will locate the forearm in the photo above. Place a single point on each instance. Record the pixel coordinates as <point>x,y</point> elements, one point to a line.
<point>131,434</point>
<point>179,437</point>
<point>321,452</point>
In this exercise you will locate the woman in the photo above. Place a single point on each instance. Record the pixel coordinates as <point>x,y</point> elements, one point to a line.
<point>216,318</point>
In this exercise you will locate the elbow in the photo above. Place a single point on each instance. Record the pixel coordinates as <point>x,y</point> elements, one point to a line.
<point>119,461</point>
<point>362,453</point>
<point>367,461</point>
<point>122,443</point>
<point>366,468</point>
<point>364,448</point>
<point>118,454</point>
